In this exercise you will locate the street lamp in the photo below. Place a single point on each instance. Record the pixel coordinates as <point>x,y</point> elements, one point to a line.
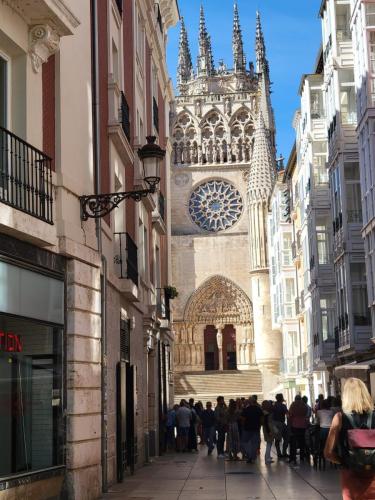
<point>98,205</point>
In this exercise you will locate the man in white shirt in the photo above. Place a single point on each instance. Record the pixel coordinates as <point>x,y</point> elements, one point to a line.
<point>184,417</point>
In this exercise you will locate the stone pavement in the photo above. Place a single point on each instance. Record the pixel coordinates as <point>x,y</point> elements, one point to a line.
<point>184,476</point>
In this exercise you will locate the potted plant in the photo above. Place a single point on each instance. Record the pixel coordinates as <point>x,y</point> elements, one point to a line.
<point>171,292</point>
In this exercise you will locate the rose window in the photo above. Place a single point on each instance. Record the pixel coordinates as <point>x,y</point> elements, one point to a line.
<point>215,205</point>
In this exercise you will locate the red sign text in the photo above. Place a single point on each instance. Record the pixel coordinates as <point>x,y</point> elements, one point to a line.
<point>10,342</point>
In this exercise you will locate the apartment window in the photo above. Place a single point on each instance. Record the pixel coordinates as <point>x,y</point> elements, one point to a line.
<point>319,163</point>
<point>370,14</point>
<point>287,249</point>
<point>323,244</point>
<point>273,270</point>
<point>343,23</point>
<point>371,50</point>
<point>353,192</point>
<point>336,193</point>
<point>289,297</point>
<point>361,314</point>
<point>115,63</point>
<point>140,40</point>
<point>347,97</point>
<point>317,106</point>
<point>3,92</point>
<point>327,315</point>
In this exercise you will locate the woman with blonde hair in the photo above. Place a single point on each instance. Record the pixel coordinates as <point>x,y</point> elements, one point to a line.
<point>351,442</point>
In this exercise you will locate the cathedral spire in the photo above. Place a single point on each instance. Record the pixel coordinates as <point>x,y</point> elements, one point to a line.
<point>239,58</point>
<point>262,168</point>
<point>260,48</point>
<point>185,66</point>
<point>205,57</point>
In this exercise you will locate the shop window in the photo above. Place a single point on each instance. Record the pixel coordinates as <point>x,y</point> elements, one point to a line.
<point>347,97</point>
<point>31,414</point>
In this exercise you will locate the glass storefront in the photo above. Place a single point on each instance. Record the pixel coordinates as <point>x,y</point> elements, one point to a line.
<point>30,396</point>
<point>31,371</point>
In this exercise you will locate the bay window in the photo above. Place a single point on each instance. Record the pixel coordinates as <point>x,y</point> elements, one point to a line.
<point>347,97</point>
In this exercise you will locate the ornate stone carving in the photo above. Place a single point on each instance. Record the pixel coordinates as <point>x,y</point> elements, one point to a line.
<point>215,205</point>
<point>219,301</point>
<point>43,42</point>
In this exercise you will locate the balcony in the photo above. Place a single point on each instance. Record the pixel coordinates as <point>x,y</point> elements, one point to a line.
<point>302,362</point>
<point>163,304</point>
<point>25,177</point>
<point>126,257</point>
<point>355,216</point>
<point>289,366</point>
<point>119,6</point>
<point>158,215</point>
<point>156,114</point>
<point>125,116</point>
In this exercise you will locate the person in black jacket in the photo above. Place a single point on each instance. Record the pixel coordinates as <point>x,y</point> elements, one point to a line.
<point>208,426</point>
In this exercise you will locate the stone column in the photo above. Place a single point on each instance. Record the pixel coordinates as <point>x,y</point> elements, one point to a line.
<point>219,340</point>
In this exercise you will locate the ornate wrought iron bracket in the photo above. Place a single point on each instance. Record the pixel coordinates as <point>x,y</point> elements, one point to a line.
<point>99,205</point>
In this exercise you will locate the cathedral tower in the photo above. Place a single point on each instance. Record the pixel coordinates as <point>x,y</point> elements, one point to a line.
<point>223,164</point>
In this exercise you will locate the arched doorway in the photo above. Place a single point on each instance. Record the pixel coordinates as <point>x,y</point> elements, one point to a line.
<point>211,351</point>
<point>229,348</point>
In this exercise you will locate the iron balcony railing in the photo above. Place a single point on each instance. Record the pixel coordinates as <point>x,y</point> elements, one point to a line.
<point>355,216</point>
<point>156,114</point>
<point>163,304</point>
<point>126,257</point>
<point>162,206</point>
<point>119,6</point>
<point>125,116</point>
<point>25,177</point>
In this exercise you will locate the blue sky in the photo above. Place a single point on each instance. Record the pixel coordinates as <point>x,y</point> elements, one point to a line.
<point>292,33</point>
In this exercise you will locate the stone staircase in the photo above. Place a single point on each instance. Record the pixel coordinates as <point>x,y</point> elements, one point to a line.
<point>206,386</point>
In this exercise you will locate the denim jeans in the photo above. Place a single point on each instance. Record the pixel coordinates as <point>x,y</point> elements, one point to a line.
<point>267,455</point>
<point>220,440</point>
<point>209,437</point>
<point>251,443</point>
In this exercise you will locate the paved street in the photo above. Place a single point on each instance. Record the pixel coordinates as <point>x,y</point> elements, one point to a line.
<point>199,477</point>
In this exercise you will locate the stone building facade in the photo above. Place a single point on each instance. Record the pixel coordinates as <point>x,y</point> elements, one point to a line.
<point>85,335</point>
<point>223,164</point>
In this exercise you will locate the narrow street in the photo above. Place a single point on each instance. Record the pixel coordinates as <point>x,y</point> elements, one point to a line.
<point>199,477</point>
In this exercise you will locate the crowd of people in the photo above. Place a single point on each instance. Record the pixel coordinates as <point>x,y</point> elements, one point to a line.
<point>328,429</point>
<point>235,429</point>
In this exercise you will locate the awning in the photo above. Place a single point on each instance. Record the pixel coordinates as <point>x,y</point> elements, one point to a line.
<point>358,370</point>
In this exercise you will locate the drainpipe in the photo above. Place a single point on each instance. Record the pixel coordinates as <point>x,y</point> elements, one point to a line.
<point>98,226</point>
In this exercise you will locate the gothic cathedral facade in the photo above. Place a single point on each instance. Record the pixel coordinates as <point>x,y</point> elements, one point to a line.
<point>223,168</point>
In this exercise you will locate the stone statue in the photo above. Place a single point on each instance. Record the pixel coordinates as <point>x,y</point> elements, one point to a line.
<point>229,153</point>
<point>178,154</point>
<point>200,155</point>
<point>221,153</point>
<point>198,107</point>
<point>219,339</point>
<point>228,106</point>
<point>252,72</point>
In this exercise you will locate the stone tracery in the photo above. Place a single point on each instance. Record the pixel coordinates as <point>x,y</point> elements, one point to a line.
<point>219,301</point>
<point>215,205</point>
<point>216,140</point>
